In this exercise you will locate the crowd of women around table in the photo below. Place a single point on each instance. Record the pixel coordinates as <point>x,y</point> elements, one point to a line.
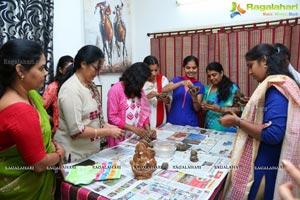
<point>66,124</point>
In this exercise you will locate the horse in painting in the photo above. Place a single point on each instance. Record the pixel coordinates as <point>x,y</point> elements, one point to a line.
<point>120,31</point>
<point>106,29</point>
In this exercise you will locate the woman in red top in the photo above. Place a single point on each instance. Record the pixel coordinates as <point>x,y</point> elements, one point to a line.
<point>51,92</point>
<point>26,149</point>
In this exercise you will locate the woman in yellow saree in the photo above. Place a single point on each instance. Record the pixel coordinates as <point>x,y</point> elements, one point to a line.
<point>26,149</point>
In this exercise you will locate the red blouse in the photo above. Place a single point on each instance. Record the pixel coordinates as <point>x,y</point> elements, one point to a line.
<point>20,126</point>
<point>50,99</point>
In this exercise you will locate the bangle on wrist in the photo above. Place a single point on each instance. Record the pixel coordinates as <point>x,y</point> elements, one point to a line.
<point>59,154</point>
<point>96,133</point>
<point>195,101</point>
<point>239,123</point>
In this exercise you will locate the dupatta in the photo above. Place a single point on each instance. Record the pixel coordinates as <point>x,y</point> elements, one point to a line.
<point>186,89</point>
<point>160,104</point>
<point>245,148</point>
<point>24,183</point>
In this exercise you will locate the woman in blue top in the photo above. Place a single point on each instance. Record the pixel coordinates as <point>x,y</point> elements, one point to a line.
<point>186,100</point>
<point>268,128</point>
<point>218,97</point>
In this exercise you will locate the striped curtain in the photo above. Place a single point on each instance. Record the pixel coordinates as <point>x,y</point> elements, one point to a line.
<point>227,46</point>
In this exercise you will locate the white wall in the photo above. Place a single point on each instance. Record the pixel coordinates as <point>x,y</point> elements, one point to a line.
<point>164,15</point>
<point>150,16</point>
<point>68,35</point>
<point>68,38</point>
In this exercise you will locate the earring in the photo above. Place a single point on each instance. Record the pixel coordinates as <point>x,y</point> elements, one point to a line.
<point>22,78</point>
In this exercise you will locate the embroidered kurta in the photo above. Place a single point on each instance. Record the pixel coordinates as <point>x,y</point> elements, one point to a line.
<point>117,110</point>
<point>77,109</point>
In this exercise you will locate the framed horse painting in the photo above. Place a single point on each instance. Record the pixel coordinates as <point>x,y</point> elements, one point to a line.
<point>107,25</point>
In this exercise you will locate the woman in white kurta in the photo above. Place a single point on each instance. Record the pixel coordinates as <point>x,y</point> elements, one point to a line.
<point>81,121</point>
<point>152,88</point>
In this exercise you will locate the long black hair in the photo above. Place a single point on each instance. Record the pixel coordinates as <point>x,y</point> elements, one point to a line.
<point>284,53</point>
<point>134,79</point>
<point>70,71</point>
<point>17,51</point>
<point>281,49</point>
<point>273,59</point>
<point>224,85</point>
<point>62,62</point>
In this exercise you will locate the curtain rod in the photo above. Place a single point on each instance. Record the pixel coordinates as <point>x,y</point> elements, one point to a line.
<point>226,28</point>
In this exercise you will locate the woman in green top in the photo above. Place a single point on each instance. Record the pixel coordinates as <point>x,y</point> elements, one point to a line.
<point>218,97</point>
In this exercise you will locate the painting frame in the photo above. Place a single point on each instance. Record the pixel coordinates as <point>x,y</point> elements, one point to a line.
<point>99,88</point>
<point>107,25</point>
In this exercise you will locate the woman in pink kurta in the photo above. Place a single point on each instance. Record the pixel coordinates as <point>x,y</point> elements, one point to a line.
<point>127,105</point>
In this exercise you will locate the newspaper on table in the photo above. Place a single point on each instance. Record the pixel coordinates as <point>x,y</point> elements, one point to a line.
<point>183,179</point>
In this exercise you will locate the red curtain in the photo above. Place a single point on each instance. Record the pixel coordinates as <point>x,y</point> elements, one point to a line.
<point>228,47</point>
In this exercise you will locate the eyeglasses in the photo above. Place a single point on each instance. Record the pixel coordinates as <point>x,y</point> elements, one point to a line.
<point>96,67</point>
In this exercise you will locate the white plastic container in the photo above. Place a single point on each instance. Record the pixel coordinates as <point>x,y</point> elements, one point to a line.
<point>164,148</point>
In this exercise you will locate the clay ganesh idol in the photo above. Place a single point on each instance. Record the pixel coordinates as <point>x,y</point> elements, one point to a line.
<point>143,163</point>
